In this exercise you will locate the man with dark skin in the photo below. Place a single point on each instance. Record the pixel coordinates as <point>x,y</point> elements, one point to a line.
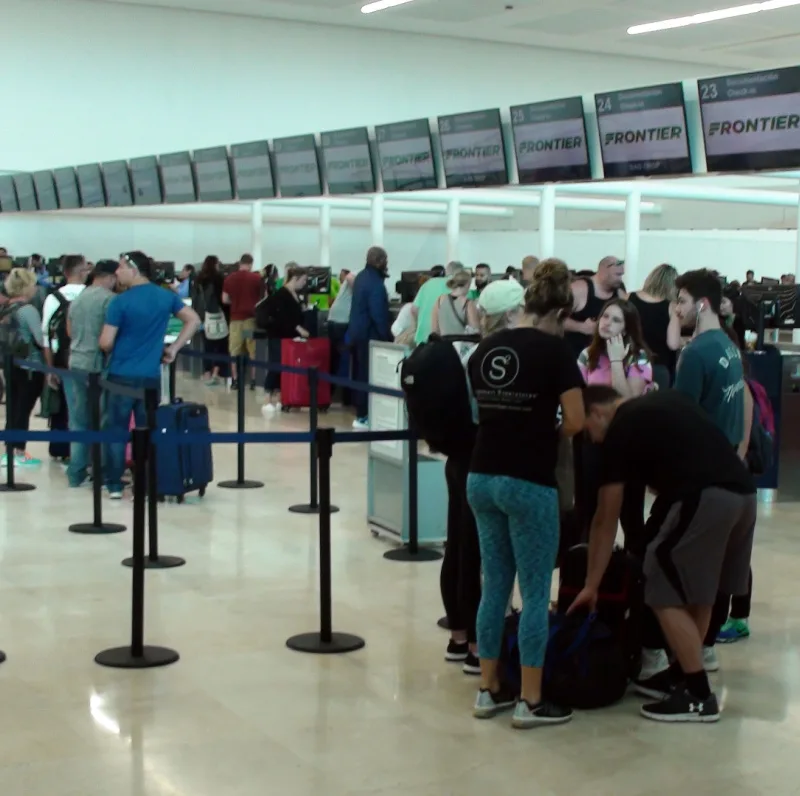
<point>483,275</point>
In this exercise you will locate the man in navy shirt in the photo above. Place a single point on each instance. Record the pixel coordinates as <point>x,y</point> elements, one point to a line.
<point>369,320</point>
<point>136,322</point>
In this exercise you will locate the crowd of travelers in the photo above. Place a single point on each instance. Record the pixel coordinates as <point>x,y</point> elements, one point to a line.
<point>583,399</point>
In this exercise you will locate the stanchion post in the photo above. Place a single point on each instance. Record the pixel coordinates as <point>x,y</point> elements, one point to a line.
<point>242,364</point>
<point>412,551</point>
<point>326,641</point>
<point>96,526</point>
<point>11,485</point>
<point>153,559</point>
<point>137,655</point>
<point>312,507</point>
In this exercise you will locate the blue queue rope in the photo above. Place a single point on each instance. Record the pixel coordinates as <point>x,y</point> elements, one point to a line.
<point>259,363</point>
<point>361,386</point>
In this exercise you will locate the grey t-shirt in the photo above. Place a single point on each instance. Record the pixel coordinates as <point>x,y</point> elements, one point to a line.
<point>87,314</point>
<point>340,311</point>
<point>30,331</point>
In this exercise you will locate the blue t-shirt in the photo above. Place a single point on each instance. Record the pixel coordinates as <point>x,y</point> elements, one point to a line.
<point>140,315</point>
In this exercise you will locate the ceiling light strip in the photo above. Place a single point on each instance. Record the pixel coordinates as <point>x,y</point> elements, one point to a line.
<point>712,16</point>
<point>382,5</point>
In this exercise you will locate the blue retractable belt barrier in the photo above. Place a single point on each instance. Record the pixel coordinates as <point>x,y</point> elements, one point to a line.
<point>230,437</point>
<point>372,436</point>
<point>259,363</point>
<point>125,390</point>
<point>40,367</point>
<point>86,437</point>
<point>362,386</point>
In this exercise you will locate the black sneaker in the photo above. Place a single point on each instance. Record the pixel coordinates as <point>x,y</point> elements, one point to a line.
<point>234,384</point>
<point>681,706</point>
<point>456,651</point>
<point>472,664</point>
<point>659,686</point>
<point>488,704</point>
<point>527,716</point>
<point>252,385</point>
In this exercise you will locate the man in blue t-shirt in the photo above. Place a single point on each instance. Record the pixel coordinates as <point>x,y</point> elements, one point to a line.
<point>133,335</point>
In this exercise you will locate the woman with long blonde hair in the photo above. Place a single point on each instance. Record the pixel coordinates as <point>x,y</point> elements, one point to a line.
<point>660,326</point>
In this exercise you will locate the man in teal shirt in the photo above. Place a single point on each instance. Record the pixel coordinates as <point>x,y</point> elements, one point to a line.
<point>426,300</point>
<point>710,367</point>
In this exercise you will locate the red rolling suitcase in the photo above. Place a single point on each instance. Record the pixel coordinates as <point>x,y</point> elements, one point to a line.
<point>314,352</point>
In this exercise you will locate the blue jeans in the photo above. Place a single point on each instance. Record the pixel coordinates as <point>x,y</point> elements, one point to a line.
<point>518,532</point>
<point>77,394</point>
<point>118,418</point>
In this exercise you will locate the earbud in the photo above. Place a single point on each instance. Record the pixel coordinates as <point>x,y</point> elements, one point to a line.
<point>699,306</point>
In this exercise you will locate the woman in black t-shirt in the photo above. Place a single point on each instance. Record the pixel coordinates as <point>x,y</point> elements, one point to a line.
<point>528,389</point>
<point>283,320</point>
<point>206,297</point>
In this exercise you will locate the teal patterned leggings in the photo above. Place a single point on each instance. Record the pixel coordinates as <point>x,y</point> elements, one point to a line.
<point>518,531</point>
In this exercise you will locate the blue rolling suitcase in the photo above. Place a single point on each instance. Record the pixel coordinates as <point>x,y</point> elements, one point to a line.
<point>188,467</point>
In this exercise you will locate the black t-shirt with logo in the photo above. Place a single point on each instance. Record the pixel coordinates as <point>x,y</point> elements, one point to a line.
<point>667,441</point>
<point>517,378</point>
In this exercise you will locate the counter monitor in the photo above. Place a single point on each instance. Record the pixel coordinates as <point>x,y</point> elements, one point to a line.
<point>643,131</point>
<point>406,156</point>
<point>297,166</point>
<point>252,170</point>
<point>473,149</point>
<point>348,161</point>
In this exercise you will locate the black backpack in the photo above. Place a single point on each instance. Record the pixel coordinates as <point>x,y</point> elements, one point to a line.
<point>57,330</point>
<point>11,341</point>
<point>620,601</point>
<point>437,395</point>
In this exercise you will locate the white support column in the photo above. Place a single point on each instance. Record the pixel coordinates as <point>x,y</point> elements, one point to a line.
<point>256,242</point>
<point>325,235</point>
<point>797,258</point>
<point>547,222</point>
<point>453,228</point>
<point>378,211</point>
<point>633,229</point>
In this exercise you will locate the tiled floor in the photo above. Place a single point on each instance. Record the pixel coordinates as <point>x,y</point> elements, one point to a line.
<point>241,715</point>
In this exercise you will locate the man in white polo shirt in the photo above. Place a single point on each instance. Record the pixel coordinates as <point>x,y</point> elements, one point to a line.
<point>56,341</point>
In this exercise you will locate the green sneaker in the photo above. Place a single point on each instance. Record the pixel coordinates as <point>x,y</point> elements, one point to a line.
<point>733,630</point>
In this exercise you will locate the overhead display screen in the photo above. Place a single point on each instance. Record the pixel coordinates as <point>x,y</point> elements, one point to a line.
<point>348,162</point>
<point>67,189</point>
<point>550,141</point>
<point>117,180</point>
<point>643,131</point>
<point>406,156</point>
<point>473,149</point>
<point>26,194</point>
<point>8,195</point>
<point>177,178</point>
<point>213,172</point>
<point>252,170</point>
<point>752,121</point>
<point>297,166</point>
<point>90,184</point>
<point>146,181</point>
<point>45,190</point>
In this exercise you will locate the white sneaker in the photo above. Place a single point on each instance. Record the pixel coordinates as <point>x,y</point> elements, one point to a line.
<point>278,406</point>
<point>710,660</point>
<point>545,713</point>
<point>268,409</point>
<point>360,424</point>
<point>488,705</point>
<point>115,495</point>
<point>653,662</point>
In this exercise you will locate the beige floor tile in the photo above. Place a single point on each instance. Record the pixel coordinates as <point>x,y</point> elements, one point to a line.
<point>241,715</point>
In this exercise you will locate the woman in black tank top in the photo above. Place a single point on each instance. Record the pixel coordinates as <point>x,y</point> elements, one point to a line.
<point>661,332</point>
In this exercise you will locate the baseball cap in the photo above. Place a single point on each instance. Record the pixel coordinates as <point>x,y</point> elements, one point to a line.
<point>105,267</point>
<point>501,296</point>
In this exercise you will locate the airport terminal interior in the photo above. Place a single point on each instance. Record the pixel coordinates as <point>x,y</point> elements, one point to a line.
<point>307,132</point>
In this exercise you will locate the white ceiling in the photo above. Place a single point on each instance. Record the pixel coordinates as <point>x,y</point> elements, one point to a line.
<point>763,40</point>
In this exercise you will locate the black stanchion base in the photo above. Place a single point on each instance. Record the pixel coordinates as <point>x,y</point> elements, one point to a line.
<point>17,487</point>
<point>91,528</point>
<point>2,657</point>
<point>122,658</point>
<point>404,554</point>
<point>307,508</point>
<point>444,623</point>
<point>162,562</point>
<point>240,484</point>
<point>313,643</point>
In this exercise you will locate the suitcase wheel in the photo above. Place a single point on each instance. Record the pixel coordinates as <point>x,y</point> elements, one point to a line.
<point>180,499</point>
<point>324,409</point>
<point>202,491</point>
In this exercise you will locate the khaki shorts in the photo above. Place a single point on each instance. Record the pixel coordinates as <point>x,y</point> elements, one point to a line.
<point>237,343</point>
